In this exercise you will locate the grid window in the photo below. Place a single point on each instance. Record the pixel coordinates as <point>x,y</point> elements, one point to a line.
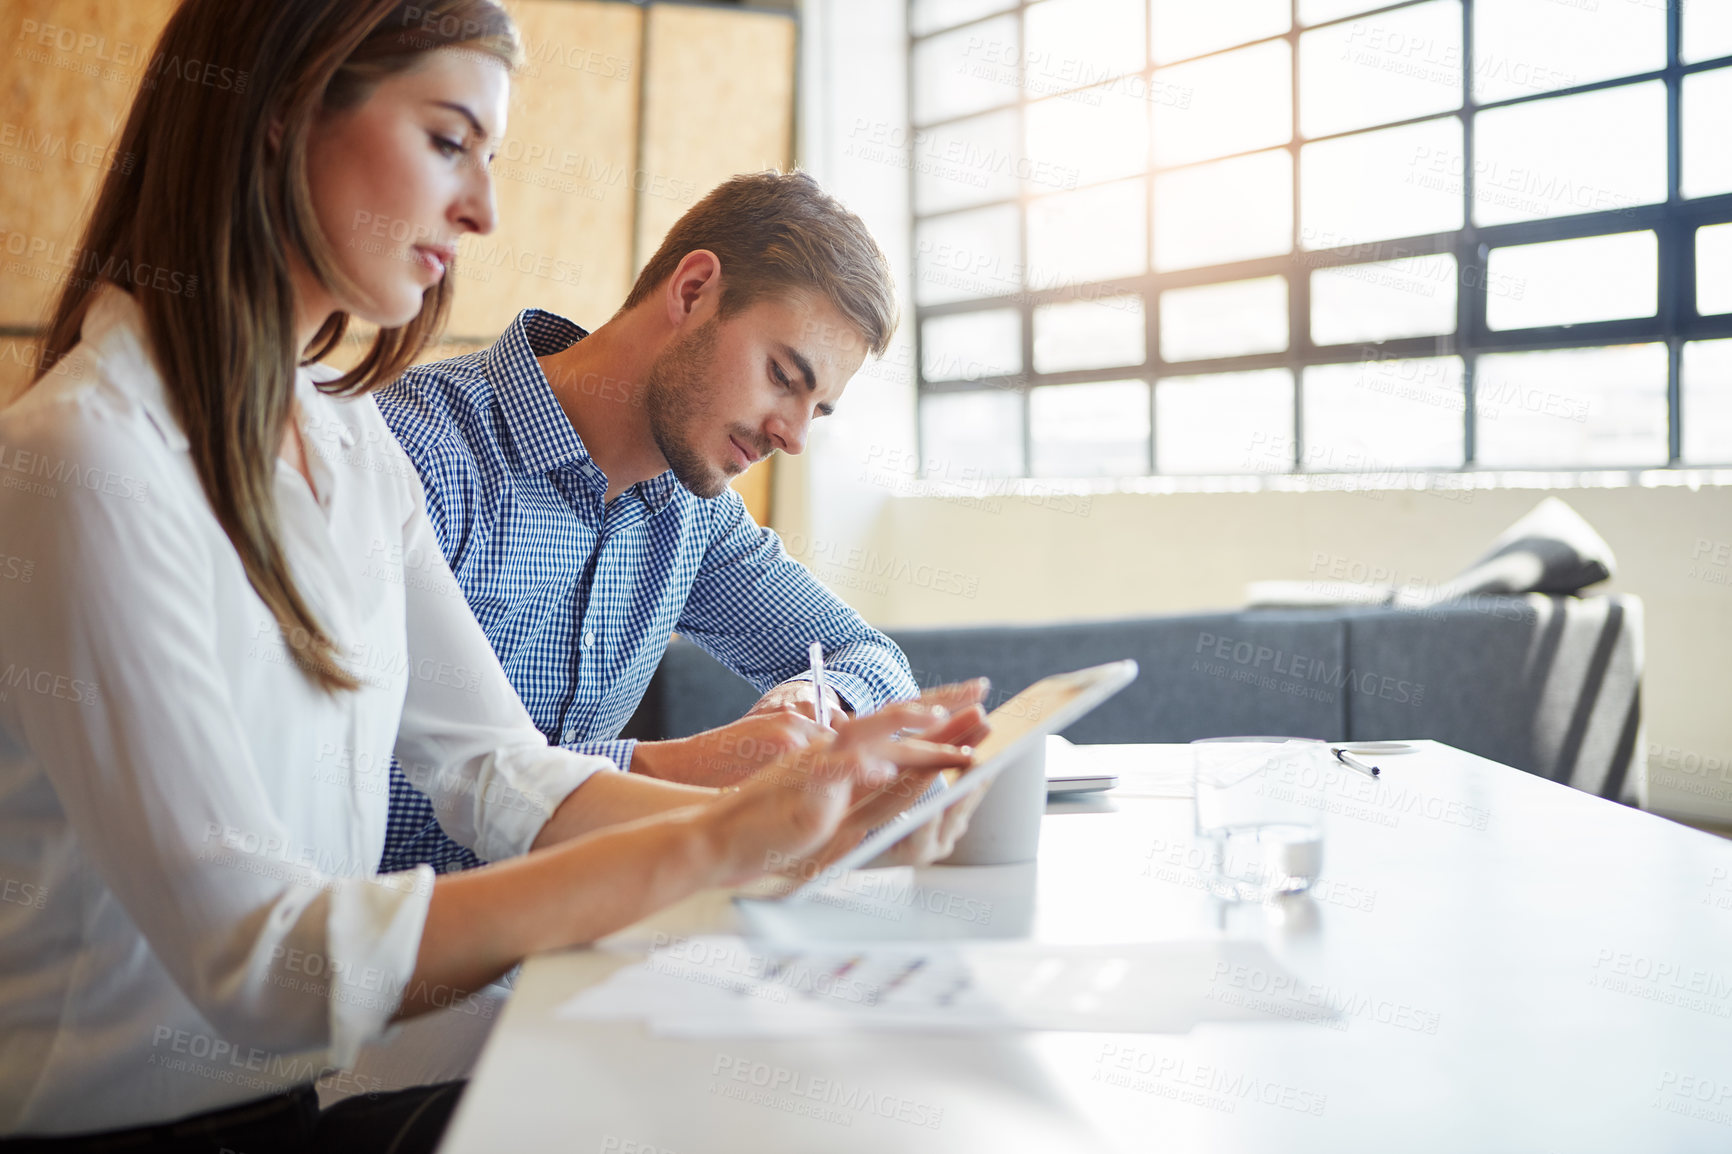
<point>1568,407</point>
<point>1386,300</point>
<point>1088,334</point>
<point>1528,46</point>
<point>1571,154</point>
<point>1568,282</point>
<point>1224,320</point>
<point>1227,210</point>
<point>1398,65</point>
<point>1379,416</point>
<point>1256,236</point>
<point>1707,130</point>
<point>1181,29</point>
<point>1098,430</point>
<point>1714,269</point>
<point>1708,400</point>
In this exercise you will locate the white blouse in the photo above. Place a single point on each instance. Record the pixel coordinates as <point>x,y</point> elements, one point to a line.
<point>189,827</point>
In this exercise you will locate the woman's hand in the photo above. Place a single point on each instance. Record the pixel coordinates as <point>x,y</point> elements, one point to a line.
<point>794,810</point>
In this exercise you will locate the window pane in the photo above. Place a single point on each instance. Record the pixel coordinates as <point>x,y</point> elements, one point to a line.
<point>965,163</point>
<point>1233,102</point>
<point>1084,138</point>
<point>1185,28</point>
<point>1229,210</point>
<point>1412,297</point>
<point>1074,43</point>
<point>1088,334</point>
<point>1526,46</point>
<point>1225,423</point>
<point>1567,282</point>
<point>1714,269</point>
<point>1572,407</point>
<point>1090,430</point>
<point>1384,414</point>
<point>1317,11</point>
<point>967,255</point>
<point>1380,185</point>
<point>968,435</point>
<point>970,346</point>
<point>1707,128</point>
<point>1224,320</point>
<point>1586,153</point>
<point>1393,66</point>
<point>965,71</point>
<point>1095,234</point>
<point>931,15</point>
<point>1707,31</point>
<point>1707,400</point>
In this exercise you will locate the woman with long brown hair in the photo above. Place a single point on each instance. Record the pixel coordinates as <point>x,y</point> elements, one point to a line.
<point>203,685</point>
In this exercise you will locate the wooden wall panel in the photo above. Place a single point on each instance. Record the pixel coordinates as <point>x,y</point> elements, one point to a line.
<point>360,338</point>
<point>71,68</point>
<point>17,366</point>
<point>718,100</point>
<point>564,174</point>
<point>579,207</point>
<point>756,486</point>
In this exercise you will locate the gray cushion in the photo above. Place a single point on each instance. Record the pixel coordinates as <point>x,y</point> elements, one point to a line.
<point>1551,550</point>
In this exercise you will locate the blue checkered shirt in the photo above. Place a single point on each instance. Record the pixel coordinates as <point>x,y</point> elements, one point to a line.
<point>579,598</point>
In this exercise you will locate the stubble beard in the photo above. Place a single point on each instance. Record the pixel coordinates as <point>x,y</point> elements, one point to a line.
<point>677,397</point>
<point>676,402</point>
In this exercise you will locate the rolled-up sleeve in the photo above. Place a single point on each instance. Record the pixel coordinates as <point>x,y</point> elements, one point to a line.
<point>465,739</point>
<point>133,724</point>
<point>756,610</point>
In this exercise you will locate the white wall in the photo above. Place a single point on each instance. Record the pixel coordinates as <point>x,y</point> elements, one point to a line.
<point>904,559</point>
<point>852,85</point>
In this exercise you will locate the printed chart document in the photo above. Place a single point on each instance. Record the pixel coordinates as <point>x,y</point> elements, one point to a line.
<point>725,986</point>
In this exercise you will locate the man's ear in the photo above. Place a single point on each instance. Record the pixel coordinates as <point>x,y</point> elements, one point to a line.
<point>696,280</point>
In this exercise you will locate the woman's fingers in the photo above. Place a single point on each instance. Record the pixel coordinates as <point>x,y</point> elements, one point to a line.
<point>958,695</point>
<point>913,716</point>
<point>967,726</point>
<point>881,803</point>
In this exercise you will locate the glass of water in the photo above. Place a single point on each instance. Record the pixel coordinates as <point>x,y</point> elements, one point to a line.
<point>1259,806</point>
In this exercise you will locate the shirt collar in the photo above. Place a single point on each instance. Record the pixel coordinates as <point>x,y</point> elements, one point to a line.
<point>113,333</point>
<point>538,427</point>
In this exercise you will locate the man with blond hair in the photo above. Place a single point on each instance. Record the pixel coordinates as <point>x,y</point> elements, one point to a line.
<point>578,483</point>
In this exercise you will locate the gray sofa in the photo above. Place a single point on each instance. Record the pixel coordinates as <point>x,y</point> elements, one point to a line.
<point>1548,684</point>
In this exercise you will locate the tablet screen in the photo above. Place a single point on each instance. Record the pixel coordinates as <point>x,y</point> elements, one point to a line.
<point>1044,707</point>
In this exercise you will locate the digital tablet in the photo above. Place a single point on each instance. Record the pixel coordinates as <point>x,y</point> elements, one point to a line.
<point>1045,707</point>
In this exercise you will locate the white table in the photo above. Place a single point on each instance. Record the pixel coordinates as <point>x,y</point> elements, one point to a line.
<point>1519,966</point>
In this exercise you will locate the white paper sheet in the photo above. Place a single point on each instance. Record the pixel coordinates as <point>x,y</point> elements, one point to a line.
<point>727,986</point>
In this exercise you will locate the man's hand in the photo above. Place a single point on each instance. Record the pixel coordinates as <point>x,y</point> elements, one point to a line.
<point>788,813</point>
<point>728,754</point>
<point>966,727</point>
<point>797,697</point>
<point>781,722</point>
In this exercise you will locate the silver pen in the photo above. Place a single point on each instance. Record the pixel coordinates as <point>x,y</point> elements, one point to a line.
<point>1352,762</point>
<point>822,713</point>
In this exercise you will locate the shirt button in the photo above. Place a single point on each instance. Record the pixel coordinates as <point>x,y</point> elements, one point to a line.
<point>570,736</point>
<point>589,639</point>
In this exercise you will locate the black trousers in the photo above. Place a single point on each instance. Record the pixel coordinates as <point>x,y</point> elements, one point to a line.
<point>404,1122</point>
